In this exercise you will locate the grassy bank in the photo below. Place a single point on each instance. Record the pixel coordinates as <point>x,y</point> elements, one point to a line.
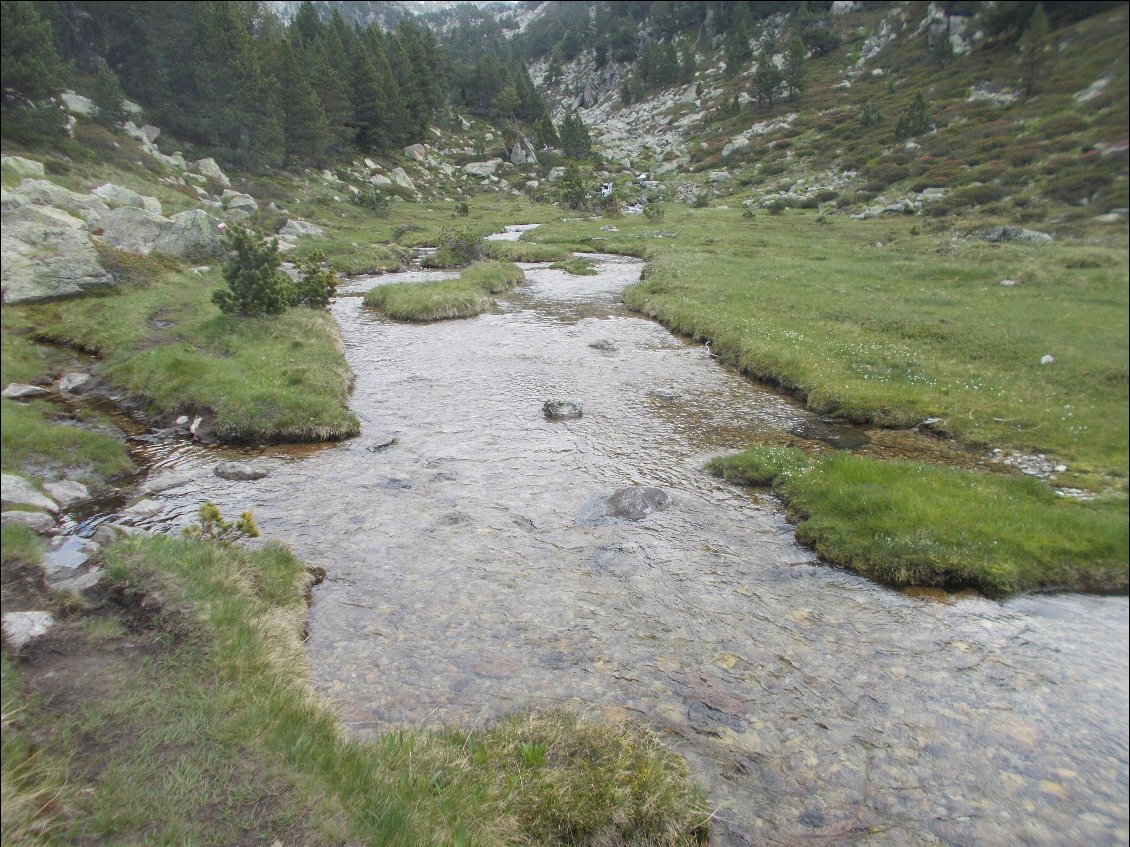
<point>468,295</point>
<point>191,720</point>
<point>272,379</point>
<point>908,524</point>
<point>881,323</point>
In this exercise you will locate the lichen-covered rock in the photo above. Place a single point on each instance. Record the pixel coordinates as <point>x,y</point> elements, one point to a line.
<point>415,152</point>
<point>298,229</point>
<point>42,192</point>
<point>1016,234</point>
<point>21,167</point>
<point>209,168</point>
<point>484,169</point>
<point>401,178</point>
<point>133,229</point>
<point>77,104</point>
<point>193,235</point>
<point>43,256</point>
<point>116,195</point>
<point>521,152</point>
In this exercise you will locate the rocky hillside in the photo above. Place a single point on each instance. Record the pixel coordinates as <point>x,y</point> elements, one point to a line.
<point>938,109</point>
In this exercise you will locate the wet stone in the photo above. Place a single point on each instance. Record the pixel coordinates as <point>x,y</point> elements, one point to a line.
<point>562,410</point>
<point>637,502</point>
<point>144,509</point>
<point>708,720</point>
<point>72,382</point>
<point>603,345</point>
<point>66,492</point>
<point>166,482</point>
<point>382,441</point>
<point>663,394</point>
<point>17,490</point>
<point>239,471</point>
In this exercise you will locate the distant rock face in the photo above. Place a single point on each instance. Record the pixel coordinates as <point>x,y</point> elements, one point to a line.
<point>193,235</point>
<point>637,502</point>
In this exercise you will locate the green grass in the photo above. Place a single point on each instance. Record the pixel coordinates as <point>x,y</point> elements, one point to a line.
<point>206,731</point>
<point>903,524</point>
<point>525,251</point>
<point>465,297</point>
<point>577,267</point>
<point>758,465</point>
<point>20,545</point>
<point>266,379</point>
<point>29,438</point>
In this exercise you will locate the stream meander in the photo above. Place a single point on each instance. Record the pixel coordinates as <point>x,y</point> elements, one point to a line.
<point>471,574</point>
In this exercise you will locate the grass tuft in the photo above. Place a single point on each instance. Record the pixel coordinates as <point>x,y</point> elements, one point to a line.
<point>758,465</point>
<point>465,297</point>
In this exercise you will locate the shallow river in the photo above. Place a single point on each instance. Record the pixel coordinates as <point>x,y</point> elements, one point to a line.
<point>471,574</point>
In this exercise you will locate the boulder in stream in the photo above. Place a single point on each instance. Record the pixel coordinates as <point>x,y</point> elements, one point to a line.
<point>239,471</point>
<point>65,492</point>
<point>562,410</point>
<point>637,502</point>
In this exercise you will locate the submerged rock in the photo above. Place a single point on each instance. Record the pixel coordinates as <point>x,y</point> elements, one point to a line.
<point>637,502</point>
<point>239,471</point>
<point>562,410</point>
<point>382,441</point>
<point>603,344</point>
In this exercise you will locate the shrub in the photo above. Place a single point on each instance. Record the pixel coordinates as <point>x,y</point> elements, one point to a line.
<point>375,200</point>
<point>317,284</point>
<point>462,208</point>
<point>820,40</point>
<point>256,286</point>
<point>777,206</point>
<point>653,213</point>
<point>870,115</point>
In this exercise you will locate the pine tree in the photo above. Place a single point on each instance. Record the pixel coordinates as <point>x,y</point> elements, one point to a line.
<point>574,135</point>
<point>32,68</point>
<point>766,81</point>
<point>256,286</point>
<point>306,135</point>
<point>545,133</point>
<point>796,70</point>
<point>106,94</point>
<point>1033,49</point>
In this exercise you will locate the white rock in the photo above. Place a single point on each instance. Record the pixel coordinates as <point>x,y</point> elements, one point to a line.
<point>487,168</point>
<point>66,492</point>
<point>1008,283</point>
<point>20,391</point>
<point>1047,359</point>
<point>17,490</point>
<point>209,168</point>
<point>380,180</point>
<point>298,229</point>
<point>415,152</point>
<point>73,380</point>
<point>78,584</point>
<point>76,104</point>
<point>22,627</point>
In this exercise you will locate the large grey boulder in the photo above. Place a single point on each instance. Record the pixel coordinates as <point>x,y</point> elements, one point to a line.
<point>21,167</point>
<point>380,180</point>
<point>116,195</point>
<point>65,492</point>
<point>20,492</point>
<point>133,229</point>
<point>77,104</point>
<point>298,229</point>
<point>240,205</point>
<point>40,261</point>
<point>483,169</point>
<point>401,178</point>
<point>209,168</point>
<point>637,502</point>
<point>72,381</point>
<point>415,152</point>
<point>41,192</point>
<point>521,152</point>
<point>193,235</point>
